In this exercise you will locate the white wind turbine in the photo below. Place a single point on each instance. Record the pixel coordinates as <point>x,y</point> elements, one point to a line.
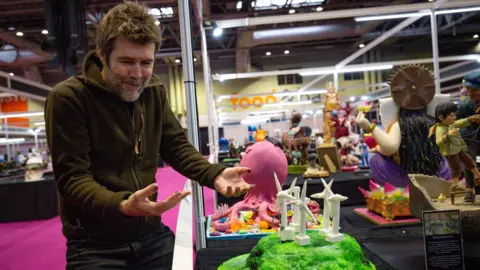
<point>334,235</point>
<point>295,224</point>
<point>285,232</point>
<point>325,194</point>
<point>302,239</point>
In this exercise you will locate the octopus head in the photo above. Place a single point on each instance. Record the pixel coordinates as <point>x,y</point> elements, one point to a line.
<point>265,159</point>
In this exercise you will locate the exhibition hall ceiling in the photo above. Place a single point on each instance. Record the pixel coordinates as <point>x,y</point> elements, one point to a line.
<point>23,28</point>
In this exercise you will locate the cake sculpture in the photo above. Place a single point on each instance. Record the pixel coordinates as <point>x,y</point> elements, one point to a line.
<point>285,232</point>
<point>34,168</point>
<point>302,239</point>
<point>388,201</point>
<point>312,249</point>
<point>296,141</point>
<point>431,193</point>
<point>327,192</point>
<point>257,213</point>
<point>314,170</point>
<point>404,147</point>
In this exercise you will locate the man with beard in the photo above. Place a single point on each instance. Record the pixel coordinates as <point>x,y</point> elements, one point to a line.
<point>105,130</point>
<point>471,135</point>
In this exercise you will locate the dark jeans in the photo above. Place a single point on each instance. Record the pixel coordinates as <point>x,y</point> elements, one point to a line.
<point>473,149</point>
<point>154,251</point>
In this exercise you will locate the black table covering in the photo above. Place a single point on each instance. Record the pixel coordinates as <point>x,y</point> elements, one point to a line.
<point>388,248</point>
<point>24,201</point>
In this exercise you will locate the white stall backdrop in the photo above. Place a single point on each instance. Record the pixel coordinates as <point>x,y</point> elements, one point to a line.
<point>240,132</point>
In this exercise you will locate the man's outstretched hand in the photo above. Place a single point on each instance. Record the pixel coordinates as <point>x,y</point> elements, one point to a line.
<point>138,204</point>
<point>230,183</point>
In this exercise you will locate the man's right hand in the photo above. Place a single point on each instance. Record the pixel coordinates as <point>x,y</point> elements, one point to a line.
<point>138,204</point>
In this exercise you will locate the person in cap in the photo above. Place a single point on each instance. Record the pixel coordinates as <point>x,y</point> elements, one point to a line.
<point>471,134</point>
<point>405,147</point>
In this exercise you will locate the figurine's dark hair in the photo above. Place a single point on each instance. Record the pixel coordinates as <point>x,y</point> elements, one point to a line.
<point>418,153</point>
<point>444,109</point>
<point>312,157</point>
<point>274,141</point>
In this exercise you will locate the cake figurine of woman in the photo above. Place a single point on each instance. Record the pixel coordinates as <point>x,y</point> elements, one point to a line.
<point>405,147</point>
<point>451,144</point>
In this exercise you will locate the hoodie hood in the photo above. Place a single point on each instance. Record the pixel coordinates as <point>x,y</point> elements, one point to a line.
<point>92,72</point>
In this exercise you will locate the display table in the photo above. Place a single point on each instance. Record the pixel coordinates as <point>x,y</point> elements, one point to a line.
<point>399,247</point>
<point>346,183</point>
<point>22,201</point>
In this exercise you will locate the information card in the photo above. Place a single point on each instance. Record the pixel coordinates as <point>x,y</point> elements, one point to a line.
<point>443,240</point>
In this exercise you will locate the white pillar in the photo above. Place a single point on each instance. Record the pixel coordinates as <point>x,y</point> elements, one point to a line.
<point>36,140</point>
<point>436,65</point>
<point>191,104</point>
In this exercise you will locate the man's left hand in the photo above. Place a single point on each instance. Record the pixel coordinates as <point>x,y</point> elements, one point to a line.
<point>230,183</point>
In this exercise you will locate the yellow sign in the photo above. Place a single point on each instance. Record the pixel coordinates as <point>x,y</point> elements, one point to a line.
<point>244,103</point>
<point>256,101</point>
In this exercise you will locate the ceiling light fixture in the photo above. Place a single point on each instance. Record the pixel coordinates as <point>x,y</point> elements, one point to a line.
<point>319,9</point>
<point>345,70</point>
<point>239,5</point>
<point>20,34</point>
<point>177,61</point>
<point>16,115</point>
<point>45,31</point>
<point>286,52</point>
<point>291,11</point>
<point>11,74</point>
<point>295,103</point>
<point>475,36</point>
<point>414,14</point>
<point>268,53</point>
<point>361,45</point>
<point>15,140</point>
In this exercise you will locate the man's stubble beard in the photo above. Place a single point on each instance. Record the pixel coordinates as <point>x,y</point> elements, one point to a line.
<point>114,84</point>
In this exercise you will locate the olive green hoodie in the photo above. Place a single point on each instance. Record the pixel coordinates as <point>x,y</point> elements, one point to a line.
<point>104,149</point>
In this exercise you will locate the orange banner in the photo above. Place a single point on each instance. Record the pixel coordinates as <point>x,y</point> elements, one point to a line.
<point>15,105</point>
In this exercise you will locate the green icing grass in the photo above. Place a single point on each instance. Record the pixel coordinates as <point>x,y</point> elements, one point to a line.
<point>271,254</point>
<point>297,169</point>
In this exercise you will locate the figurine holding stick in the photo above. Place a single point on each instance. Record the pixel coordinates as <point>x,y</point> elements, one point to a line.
<point>451,144</point>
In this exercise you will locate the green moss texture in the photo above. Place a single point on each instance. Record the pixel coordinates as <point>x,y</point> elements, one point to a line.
<point>271,254</point>
<point>297,169</point>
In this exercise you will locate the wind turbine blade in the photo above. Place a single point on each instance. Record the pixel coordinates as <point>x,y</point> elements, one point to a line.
<point>320,195</point>
<point>304,191</point>
<point>277,205</point>
<point>324,183</point>
<point>279,187</point>
<point>326,186</point>
<point>330,183</point>
<point>305,207</point>
<point>293,184</point>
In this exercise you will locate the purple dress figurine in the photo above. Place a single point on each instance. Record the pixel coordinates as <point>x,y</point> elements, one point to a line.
<point>405,147</point>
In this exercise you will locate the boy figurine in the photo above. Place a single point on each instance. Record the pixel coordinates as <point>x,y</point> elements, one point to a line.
<point>451,144</point>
